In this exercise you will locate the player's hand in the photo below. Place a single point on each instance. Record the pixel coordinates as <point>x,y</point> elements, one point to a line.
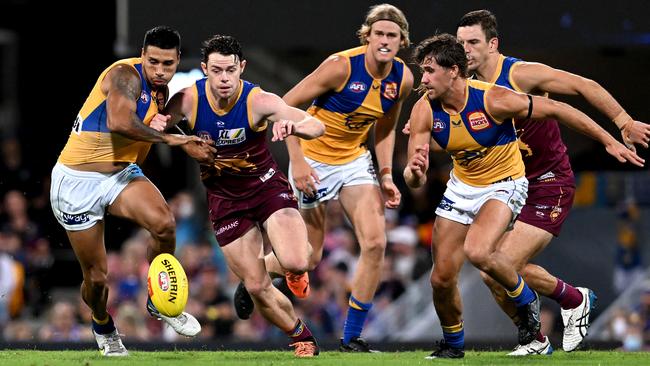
<point>407,128</point>
<point>636,132</point>
<point>304,177</point>
<point>419,162</point>
<point>202,151</point>
<point>623,154</point>
<point>282,129</point>
<point>392,196</point>
<point>159,122</point>
<point>172,139</point>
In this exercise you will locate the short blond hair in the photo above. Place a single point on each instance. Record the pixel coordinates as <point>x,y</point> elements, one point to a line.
<point>385,12</point>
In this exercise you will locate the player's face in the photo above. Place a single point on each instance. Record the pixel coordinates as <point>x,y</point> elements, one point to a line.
<point>159,65</point>
<point>477,47</point>
<point>436,80</point>
<point>384,40</point>
<point>223,72</point>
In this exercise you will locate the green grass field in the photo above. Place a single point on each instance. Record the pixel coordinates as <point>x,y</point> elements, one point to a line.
<point>185,358</point>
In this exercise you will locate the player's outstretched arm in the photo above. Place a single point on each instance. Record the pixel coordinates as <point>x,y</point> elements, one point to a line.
<point>287,121</point>
<point>536,77</point>
<point>504,103</point>
<point>421,120</point>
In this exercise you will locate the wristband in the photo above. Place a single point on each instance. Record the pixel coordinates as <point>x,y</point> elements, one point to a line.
<point>385,171</point>
<point>622,120</point>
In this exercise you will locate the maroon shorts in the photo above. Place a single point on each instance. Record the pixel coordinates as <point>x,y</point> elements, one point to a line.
<point>547,206</point>
<point>231,219</point>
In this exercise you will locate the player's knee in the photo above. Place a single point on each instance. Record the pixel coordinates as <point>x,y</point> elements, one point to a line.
<point>374,247</point>
<point>164,229</point>
<point>96,279</point>
<point>297,264</point>
<point>443,280</point>
<point>477,256</point>
<point>257,289</point>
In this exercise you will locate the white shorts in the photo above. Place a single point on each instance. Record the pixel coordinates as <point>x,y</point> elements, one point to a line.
<point>79,198</point>
<point>334,177</point>
<point>461,202</point>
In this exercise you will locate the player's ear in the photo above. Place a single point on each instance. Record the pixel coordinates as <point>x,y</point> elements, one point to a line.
<point>494,44</point>
<point>242,65</point>
<point>454,70</point>
<point>204,67</point>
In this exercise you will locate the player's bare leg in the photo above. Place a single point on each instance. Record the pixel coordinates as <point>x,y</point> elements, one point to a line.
<point>448,259</point>
<point>88,247</point>
<point>245,257</point>
<point>364,207</point>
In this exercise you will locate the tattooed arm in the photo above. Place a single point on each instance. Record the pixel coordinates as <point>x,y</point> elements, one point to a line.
<point>122,87</point>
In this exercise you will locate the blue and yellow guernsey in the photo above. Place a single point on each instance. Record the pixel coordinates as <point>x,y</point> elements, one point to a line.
<point>91,141</point>
<point>243,161</point>
<point>349,111</point>
<point>483,150</point>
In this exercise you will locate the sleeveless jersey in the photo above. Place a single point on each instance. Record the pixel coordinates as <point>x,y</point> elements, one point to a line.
<point>91,141</point>
<point>540,142</point>
<point>351,110</point>
<point>483,151</point>
<point>244,161</point>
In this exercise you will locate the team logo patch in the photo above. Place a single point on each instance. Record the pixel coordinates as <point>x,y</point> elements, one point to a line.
<point>438,125</point>
<point>357,121</point>
<point>478,121</point>
<point>75,219</point>
<point>357,87</point>
<point>144,97</point>
<point>231,136</point>
<point>555,213</point>
<point>163,281</point>
<point>445,204</point>
<point>390,90</point>
<point>319,194</point>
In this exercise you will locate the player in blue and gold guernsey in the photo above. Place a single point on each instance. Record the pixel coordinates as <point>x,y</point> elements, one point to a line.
<point>474,122</point>
<point>551,183</point>
<point>246,191</point>
<point>98,172</point>
<point>352,92</point>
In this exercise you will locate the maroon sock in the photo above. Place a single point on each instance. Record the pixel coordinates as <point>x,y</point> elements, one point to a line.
<point>566,295</point>
<point>540,336</point>
<point>299,333</point>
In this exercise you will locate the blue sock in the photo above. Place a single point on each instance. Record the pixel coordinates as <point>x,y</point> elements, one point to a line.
<point>107,328</point>
<point>357,313</point>
<point>454,335</point>
<point>521,294</point>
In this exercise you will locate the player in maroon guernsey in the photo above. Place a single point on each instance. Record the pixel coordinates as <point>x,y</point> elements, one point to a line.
<point>246,191</point>
<point>552,186</point>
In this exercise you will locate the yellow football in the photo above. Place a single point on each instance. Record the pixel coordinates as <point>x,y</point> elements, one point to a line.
<point>167,284</point>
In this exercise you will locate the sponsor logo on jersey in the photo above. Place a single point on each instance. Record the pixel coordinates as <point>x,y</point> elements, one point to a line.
<point>163,281</point>
<point>144,97</point>
<point>357,87</point>
<point>456,122</point>
<point>231,136</point>
<point>438,125</point>
<point>75,219</point>
<point>390,90</point>
<point>319,194</point>
<point>267,175</point>
<point>225,228</point>
<point>221,124</point>
<point>445,204</point>
<point>478,121</point>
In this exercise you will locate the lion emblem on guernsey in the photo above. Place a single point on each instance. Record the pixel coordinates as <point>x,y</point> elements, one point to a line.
<point>525,149</point>
<point>357,121</point>
<point>236,163</point>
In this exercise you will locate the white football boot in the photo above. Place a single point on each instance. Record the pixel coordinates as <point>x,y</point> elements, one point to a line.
<point>576,321</point>
<point>533,348</point>
<point>111,344</point>
<point>184,324</point>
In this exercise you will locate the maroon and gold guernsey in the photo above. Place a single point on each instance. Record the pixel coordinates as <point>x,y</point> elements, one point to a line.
<point>544,153</point>
<point>243,162</point>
